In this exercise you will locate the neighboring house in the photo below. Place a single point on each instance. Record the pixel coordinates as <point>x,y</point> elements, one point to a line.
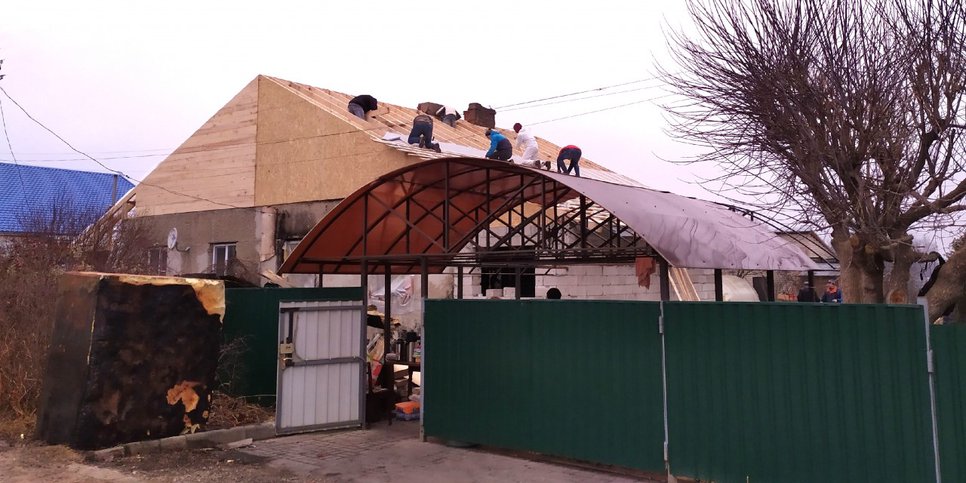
<point>50,200</point>
<point>240,193</point>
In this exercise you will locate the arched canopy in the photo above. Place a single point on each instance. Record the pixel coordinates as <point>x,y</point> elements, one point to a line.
<point>432,211</point>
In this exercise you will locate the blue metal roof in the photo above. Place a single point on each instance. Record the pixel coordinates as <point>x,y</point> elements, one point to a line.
<point>26,190</point>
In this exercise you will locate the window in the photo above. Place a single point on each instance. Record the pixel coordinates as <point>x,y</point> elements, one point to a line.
<point>222,254</point>
<point>501,277</point>
<point>158,260</point>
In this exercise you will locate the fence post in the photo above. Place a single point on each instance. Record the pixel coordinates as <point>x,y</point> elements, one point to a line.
<point>931,370</point>
<point>660,328</point>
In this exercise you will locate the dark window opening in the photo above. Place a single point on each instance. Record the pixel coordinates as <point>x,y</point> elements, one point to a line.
<point>502,277</point>
<point>158,260</point>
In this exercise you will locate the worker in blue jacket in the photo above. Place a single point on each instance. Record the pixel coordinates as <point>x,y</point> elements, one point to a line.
<point>500,147</point>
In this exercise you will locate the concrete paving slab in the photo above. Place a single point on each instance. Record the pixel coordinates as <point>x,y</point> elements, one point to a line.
<point>395,453</point>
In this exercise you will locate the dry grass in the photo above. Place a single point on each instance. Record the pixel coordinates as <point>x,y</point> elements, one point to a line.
<point>29,270</point>
<point>228,412</point>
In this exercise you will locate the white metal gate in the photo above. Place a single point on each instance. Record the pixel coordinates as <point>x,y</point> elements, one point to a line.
<point>321,366</point>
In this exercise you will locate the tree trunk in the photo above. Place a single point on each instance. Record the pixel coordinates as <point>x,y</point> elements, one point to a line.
<point>850,277</point>
<point>897,288</point>
<point>950,285</point>
<point>861,278</point>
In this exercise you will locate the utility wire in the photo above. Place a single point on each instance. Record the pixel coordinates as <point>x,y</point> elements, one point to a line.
<point>23,186</point>
<point>112,170</point>
<point>67,160</point>
<point>602,110</point>
<point>578,98</point>
<point>581,92</point>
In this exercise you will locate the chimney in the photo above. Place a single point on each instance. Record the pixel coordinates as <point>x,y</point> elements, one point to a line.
<point>479,115</point>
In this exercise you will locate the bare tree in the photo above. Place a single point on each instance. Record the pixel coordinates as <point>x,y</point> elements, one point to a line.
<point>845,115</point>
<point>29,266</point>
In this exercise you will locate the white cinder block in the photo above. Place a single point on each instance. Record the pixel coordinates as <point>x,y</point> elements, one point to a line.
<point>594,290</point>
<point>593,280</point>
<point>594,270</point>
<point>611,270</point>
<point>578,291</point>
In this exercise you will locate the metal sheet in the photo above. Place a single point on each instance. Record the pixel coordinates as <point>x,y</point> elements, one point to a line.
<point>251,317</point>
<point>689,233</point>
<point>321,389</point>
<point>949,346</point>
<point>797,392</point>
<point>568,378</point>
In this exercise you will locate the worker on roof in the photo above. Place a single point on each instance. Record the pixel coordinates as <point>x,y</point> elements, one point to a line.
<point>572,153</point>
<point>500,147</point>
<point>525,141</point>
<point>422,133</point>
<point>360,105</point>
<point>448,115</point>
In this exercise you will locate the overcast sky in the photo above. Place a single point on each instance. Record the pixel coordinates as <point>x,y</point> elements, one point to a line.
<point>127,83</point>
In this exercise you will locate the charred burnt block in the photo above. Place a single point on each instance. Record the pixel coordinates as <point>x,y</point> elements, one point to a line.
<point>131,358</point>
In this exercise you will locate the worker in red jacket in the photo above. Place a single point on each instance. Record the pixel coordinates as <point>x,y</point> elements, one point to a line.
<point>572,153</point>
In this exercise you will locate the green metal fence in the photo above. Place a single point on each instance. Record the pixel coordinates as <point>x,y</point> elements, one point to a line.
<point>766,392</point>
<point>574,379</point>
<point>251,322</point>
<point>775,392</point>
<point>949,347</point>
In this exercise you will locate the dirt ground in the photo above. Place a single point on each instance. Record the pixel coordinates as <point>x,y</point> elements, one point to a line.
<point>22,464</point>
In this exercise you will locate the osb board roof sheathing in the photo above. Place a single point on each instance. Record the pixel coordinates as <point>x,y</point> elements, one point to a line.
<point>220,165</point>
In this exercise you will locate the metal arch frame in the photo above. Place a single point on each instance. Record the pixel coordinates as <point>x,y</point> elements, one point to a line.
<point>559,232</point>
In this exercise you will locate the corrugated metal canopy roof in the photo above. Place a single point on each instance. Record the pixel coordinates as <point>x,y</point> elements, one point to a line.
<point>406,213</point>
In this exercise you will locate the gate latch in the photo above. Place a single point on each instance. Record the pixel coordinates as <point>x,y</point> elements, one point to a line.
<point>286,350</point>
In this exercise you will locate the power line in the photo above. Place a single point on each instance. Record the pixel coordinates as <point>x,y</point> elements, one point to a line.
<point>602,110</point>
<point>68,160</point>
<point>23,186</point>
<point>582,92</point>
<point>112,170</point>
<point>579,98</point>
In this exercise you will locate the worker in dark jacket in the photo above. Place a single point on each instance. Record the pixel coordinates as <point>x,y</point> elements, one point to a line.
<point>500,147</point>
<point>361,105</point>
<point>449,115</point>
<point>422,133</point>
<point>807,294</point>
<point>572,153</point>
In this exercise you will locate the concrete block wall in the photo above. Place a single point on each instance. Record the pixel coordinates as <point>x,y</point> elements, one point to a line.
<point>703,280</point>
<point>598,282</point>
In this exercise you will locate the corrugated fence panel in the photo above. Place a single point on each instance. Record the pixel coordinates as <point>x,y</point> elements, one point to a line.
<point>579,379</point>
<point>778,392</point>
<point>251,316</point>
<point>949,350</point>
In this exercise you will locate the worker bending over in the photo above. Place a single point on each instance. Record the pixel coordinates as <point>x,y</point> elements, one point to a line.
<point>525,141</point>
<point>500,147</point>
<point>572,153</point>
<point>422,133</point>
<point>448,115</point>
<point>361,105</point>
